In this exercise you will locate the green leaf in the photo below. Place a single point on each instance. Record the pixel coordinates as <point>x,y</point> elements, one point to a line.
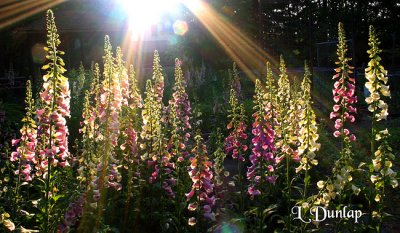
<point>56,197</point>
<point>361,165</point>
<point>270,210</point>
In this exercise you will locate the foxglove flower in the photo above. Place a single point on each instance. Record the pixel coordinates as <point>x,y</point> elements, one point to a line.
<point>26,151</point>
<point>81,80</point>
<point>270,96</point>
<point>108,109</point>
<point>343,91</point>
<point>74,212</point>
<point>135,99</point>
<point>308,134</point>
<point>376,76</point>
<point>343,112</point>
<point>55,98</point>
<point>201,194</point>
<point>235,83</point>
<point>283,107</point>
<point>158,78</point>
<point>89,131</point>
<point>377,79</point>
<point>123,77</point>
<point>381,171</point>
<point>179,114</point>
<point>132,123</point>
<point>286,111</point>
<point>131,118</point>
<point>235,142</point>
<point>382,164</point>
<point>263,157</point>
<point>220,173</point>
<point>153,117</point>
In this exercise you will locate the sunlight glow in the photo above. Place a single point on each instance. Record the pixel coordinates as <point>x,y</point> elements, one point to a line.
<point>242,49</point>
<point>143,14</point>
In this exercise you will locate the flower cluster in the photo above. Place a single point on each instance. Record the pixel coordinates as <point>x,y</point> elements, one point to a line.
<point>343,91</point>
<point>131,122</point>
<point>81,80</point>
<point>308,134</point>
<point>327,193</point>
<point>235,142</point>
<point>55,98</point>
<point>110,99</point>
<point>270,96</point>
<point>263,157</point>
<point>219,171</point>
<point>123,76</point>
<point>135,99</point>
<point>109,109</point>
<point>283,108</point>
<point>341,178</point>
<point>179,113</point>
<point>381,172</point>
<point>382,164</point>
<point>74,211</point>
<point>6,222</point>
<point>114,109</point>
<point>343,111</point>
<point>25,153</point>
<point>89,113</point>
<point>153,116</point>
<point>89,131</point>
<point>286,110</point>
<point>101,127</point>
<point>158,78</point>
<point>377,79</point>
<point>235,82</point>
<point>202,191</point>
<point>294,121</point>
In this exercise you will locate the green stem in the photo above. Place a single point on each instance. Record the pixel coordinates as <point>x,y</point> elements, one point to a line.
<point>104,159</point>
<point>373,136</point>
<point>239,167</point>
<point>161,177</point>
<point>199,163</point>
<point>260,209</point>
<point>306,178</point>
<point>17,185</point>
<point>289,194</point>
<point>49,160</point>
<point>381,210</point>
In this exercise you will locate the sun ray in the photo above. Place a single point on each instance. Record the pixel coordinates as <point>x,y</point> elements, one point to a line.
<point>11,14</point>
<point>134,51</point>
<point>243,50</point>
<point>7,2</point>
<point>17,7</point>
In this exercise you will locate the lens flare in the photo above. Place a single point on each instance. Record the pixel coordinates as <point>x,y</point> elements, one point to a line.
<point>38,53</point>
<point>230,228</point>
<point>180,27</point>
